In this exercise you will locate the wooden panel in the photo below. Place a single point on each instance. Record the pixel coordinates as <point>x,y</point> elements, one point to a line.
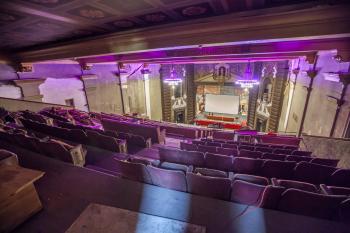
<point>18,197</point>
<point>191,93</point>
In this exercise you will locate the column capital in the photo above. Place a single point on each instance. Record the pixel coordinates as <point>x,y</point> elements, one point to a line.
<point>312,73</point>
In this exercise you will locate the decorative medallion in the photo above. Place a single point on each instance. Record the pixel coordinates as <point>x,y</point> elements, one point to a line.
<point>89,12</point>
<point>48,3</point>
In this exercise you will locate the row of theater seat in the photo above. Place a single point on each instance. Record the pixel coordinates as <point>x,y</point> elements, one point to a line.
<point>295,155</point>
<point>276,195</point>
<point>108,140</point>
<point>278,149</point>
<point>59,150</point>
<point>302,171</point>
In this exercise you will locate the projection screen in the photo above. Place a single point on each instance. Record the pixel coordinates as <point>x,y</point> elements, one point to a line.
<point>228,104</point>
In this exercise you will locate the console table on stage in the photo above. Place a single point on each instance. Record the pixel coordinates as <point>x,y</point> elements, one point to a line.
<point>18,197</point>
<point>108,219</point>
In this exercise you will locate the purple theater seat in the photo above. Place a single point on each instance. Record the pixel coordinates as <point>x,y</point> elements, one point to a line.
<point>196,142</point>
<point>229,146</point>
<point>334,190</point>
<point>210,172</point>
<point>204,149</point>
<point>340,177</point>
<point>313,173</point>
<point>298,158</point>
<point>278,169</point>
<point>170,179</point>
<point>216,144</point>
<point>129,170</point>
<point>282,151</point>
<point>302,153</point>
<point>249,154</point>
<point>221,141</point>
<point>208,186</point>
<point>182,157</point>
<point>246,147</point>
<point>292,148</point>
<point>311,204</point>
<point>188,146</point>
<point>246,193</point>
<point>344,212</point>
<point>232,142</point>
<point>173,166</point>
<point>296,185</point>
<point>257,195</point>
<point>100,169</point>
<point>251,179</point>
<point>327,162</point>
<point>227,151</point>
<point>272,156</point>
<point>219,162</point>
<point>264,149</point>
<point>247,166</point>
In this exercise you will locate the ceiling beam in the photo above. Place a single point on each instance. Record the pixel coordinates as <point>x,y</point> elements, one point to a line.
<point>320,22</point>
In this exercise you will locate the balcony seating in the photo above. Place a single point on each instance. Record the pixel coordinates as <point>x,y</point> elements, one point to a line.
<point>214,187</point>
<point>311,204</point>
<point>223,135</point>
<point>216,144</point>
<point>106,142</point>
<point>229,146</point>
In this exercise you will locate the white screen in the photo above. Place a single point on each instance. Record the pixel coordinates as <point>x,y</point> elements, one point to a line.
<point>228,104</point>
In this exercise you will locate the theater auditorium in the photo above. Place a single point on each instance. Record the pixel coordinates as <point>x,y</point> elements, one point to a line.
<point>175,116</point>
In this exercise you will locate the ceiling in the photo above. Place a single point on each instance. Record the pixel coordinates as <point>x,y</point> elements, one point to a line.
<point>28,23</point>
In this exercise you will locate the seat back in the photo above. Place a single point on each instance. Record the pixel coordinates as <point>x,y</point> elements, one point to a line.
<point>311,204</point>
<point>302,153</point>
<point>340,177</point>
<point>298,158</point>
<point>272,156</point>
<point>204,149</point>
<point>246,147</point>
<point>249,154</point>
<point>264,149</point>
<point>227,151</point>
<point>208,186</point>
<point>344,211</point>
<point>183,157</point>
<point>298,185</point>
<point>219,162</point>
<point>313,173</point>
<point>188,146</point>
<point>170,179</point>
<point>216,144</point>
<point>278,169</point>
<point>282,151</point>
<point>247,165</point>
<point>227,145</point>
<point>133,171</point>
<point>327,162</point>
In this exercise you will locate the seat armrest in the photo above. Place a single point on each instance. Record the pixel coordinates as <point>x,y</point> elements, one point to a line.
<point>190,168</point>
<point>325,190</point>
<point>231,175</point>
<point>274,182</point>
<point>155,163</point>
